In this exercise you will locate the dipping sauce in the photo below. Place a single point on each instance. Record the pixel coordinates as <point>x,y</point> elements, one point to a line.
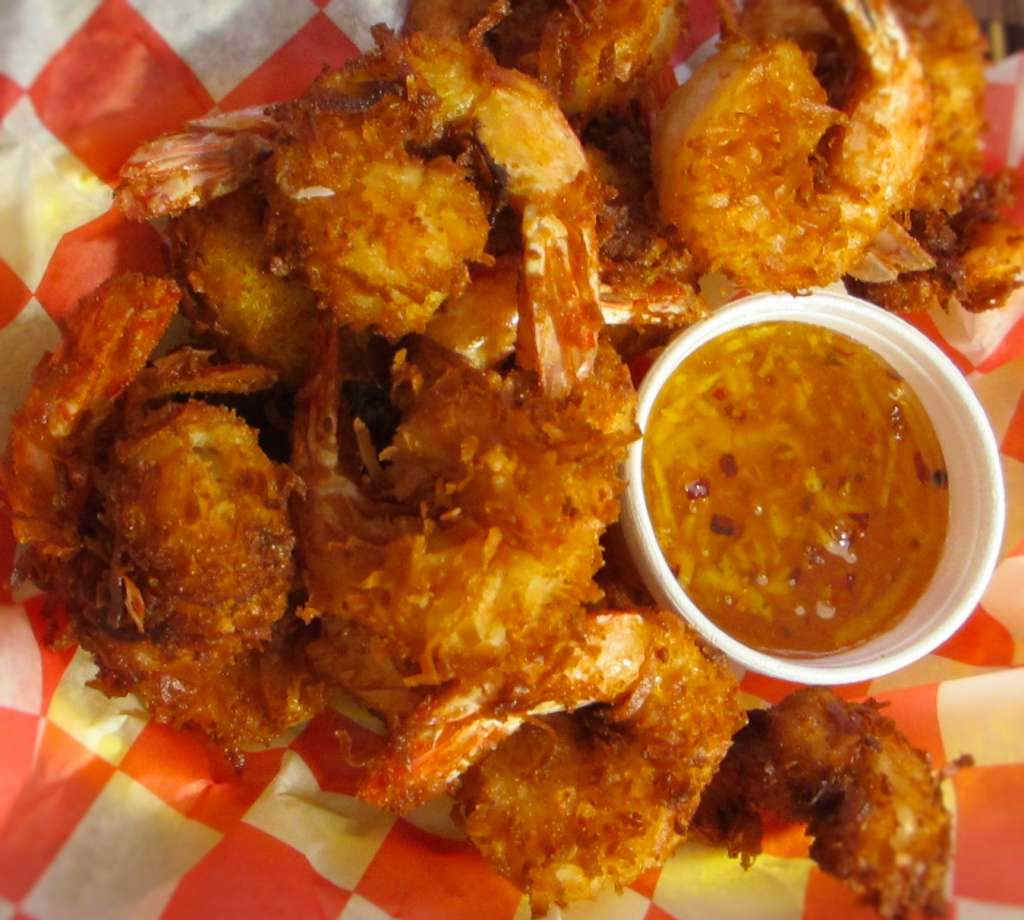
<point>796,486</point>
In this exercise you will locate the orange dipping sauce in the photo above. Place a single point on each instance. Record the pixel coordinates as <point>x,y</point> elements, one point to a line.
<point>797,488</point>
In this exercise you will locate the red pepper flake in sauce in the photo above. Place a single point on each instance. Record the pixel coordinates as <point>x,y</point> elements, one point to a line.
<point>699,488</point>
<point>828,483</point>
<point>726,526</point>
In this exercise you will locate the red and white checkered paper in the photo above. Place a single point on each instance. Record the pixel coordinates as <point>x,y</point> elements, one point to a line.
<point>107,815</point>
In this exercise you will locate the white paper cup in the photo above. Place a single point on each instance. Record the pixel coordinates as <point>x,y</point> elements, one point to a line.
<point>977,502</point>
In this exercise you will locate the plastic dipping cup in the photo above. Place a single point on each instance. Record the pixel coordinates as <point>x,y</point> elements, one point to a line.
<point>977,502</point>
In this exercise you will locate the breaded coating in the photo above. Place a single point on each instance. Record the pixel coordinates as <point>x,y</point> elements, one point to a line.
<point>593,56</point>
<point>872,803</point>
<point>390,237</point>
<point>490,504</point>
<point>461,558</point>
<point>237,696</point>
<point>200,524</point>
<point>221,250</point>
<point>573,804</point>
<point>949,42</point>
<point>775,172</point>
<point>162,526</point>
<point>188,609</point>
<point>382,182</point>
<point>44,475</point>
<point>978,255</point>
<point>567,807</point>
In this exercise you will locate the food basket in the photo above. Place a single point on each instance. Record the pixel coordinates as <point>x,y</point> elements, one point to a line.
<point>108,815</point>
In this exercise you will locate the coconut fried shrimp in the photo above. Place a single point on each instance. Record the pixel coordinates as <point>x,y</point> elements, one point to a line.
<point>199,570</point>
<point>383,227</point>
<point>780,175</point>
<point>597,657</point>
<point>162,525</point>
<point>598,56</point>
<point>949,43</point>
<point>222,252</point>
<point>46,470</point>
<point>461,559</point>
<point>870,800</point>
<point>977,257</point>
<point>382,235</point>
<point>593,56</point>
<point>381,183</point>
<point>575,803</point>
<point>891,253</point>
<point>200,519</point>
<point>459,549</point>
<point>201,564</point>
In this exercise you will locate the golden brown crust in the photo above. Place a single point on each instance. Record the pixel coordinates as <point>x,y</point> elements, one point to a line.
<point>221,250</point>
<point>978,254</point>
<point>237,696</point>
<point>183,601</point>
<point>573,804</point>
<point>591,55</point>
<point>495,499</point>
<point>381,234</point>
<point>871,801</point>
<point>199,518</point>
<point>107,341</point>
<point>948,40</point>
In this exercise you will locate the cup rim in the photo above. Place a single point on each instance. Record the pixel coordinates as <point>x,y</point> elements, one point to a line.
<point>964,422</point>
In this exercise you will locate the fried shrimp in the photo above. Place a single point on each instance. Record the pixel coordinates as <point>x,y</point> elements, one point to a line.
<point>201,557</point>
<point>451,729</point>
<point>575,803</point>
<point>976,257</point>
<point>871,801</point>
<point>473,545</point>
<point>447,91</point>
<point>957,249</point>
<point>776,179</point>
<point>381,182</point>
<point>163,527</point>
<point>948,41</point>
<point>200,520</point>
<point>254,315</point>
<point>46,473</point>
<point>594,56</point>
<point>460,532</point>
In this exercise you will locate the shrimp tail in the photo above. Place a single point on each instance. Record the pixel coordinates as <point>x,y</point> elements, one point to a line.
<point>434,754</point>
<point>209,158</point>
<point>560,316</point>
